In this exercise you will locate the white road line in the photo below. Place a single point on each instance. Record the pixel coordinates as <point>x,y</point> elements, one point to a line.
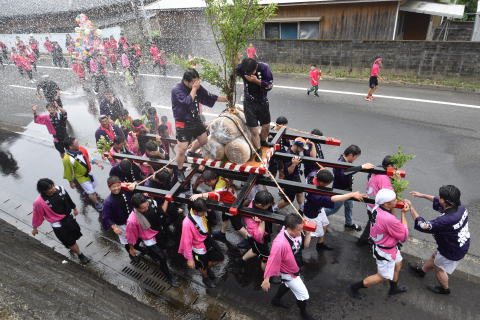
<point>22,87</point>
<point>31,88</point>
<point>472,106</point>
<point>388,97</point>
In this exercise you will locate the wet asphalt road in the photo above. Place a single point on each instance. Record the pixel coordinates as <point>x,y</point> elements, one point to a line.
<point>444,138</point>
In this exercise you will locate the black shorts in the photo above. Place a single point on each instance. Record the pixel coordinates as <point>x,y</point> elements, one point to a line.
<point>373,82</point>
<point>260,249</point>
<point>256,112</point>
<point>69,232</point>
<point>236,220</point>
<point>59,146</point>
<point>275,165</point>
<point>291,193</point>
<point>191,131</point>
<point>213,255</point>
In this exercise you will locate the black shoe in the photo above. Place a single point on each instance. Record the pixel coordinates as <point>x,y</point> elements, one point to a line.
<point>244,244</point>
<point>356,294</point>
<point>302,305</point>
<point>208,283</point>
<point>397,290</point>
<point>316,95</point>
<point>323,246</point>
<point>306,316</point>
<point>220,236</point>
<point>416,269</point>
<point>134,258</point>
<point>280,304</point>
<point>438,290</point>
<point>174,282</point>
<point>308,92</point>
<point>83,259</point>
<point>265,143</point>
<point>275,280</point>
<point>181,175</point>
<point>353,227</point>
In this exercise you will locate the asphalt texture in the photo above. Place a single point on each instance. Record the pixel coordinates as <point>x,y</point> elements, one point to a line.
<point>37,285</point>
<point>444,138</point>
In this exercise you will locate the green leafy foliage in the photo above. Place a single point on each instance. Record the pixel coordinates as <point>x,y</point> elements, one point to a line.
<point>400,158</point>
<point>233,23</point>
<point>155,34</point>
<point>400,186</point>
<point>103,145</point>
<point>209,71</point>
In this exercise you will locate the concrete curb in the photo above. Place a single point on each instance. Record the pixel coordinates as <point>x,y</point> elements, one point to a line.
<point>15,211</point>
<point>420,250</point>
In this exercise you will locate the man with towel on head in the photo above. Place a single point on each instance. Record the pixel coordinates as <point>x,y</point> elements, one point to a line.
<point>386,232</point>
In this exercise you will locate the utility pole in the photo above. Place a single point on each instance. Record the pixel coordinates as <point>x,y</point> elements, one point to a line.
<point>476,27</point>
<point>141,19</point>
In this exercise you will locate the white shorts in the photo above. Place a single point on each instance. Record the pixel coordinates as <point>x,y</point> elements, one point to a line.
<point>386,268</point>
<point>122,237</point>
<point>296,285</point>
<point>445,264</point>
<point>89,186</point>
<point>321,220</point>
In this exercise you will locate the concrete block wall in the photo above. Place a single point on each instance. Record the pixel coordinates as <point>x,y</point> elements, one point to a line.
<point>422,59</point>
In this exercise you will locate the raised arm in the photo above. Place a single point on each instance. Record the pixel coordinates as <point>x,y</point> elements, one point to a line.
<point>422,195</point>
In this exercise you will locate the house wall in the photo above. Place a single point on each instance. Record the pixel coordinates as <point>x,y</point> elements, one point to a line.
<point>185,32</point>
<point>372,21</point>
<point>423,59</point>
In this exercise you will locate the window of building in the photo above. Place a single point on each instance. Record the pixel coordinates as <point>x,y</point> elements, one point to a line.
<point>272,30</point>
<point>292,30</point>
<point>308,30</point>
<point>289,30</point>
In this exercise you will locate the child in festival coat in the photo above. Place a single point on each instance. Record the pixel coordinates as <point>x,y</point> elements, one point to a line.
<point>56,123</point>
<point>375,183</point>
<point>256,229</point>
<point>196,246</point>
<point>55,205</point>
<point>285,260</point>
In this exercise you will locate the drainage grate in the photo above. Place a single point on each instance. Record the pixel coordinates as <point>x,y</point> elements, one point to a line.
<point>148,276</point>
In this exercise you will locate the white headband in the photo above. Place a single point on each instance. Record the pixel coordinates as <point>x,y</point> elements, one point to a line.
<point>383,196</point>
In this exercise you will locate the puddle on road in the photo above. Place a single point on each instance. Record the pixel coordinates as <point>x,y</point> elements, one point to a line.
<point>27,155</point>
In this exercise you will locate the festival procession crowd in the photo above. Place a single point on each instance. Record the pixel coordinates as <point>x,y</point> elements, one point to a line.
<point>149,226</point>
